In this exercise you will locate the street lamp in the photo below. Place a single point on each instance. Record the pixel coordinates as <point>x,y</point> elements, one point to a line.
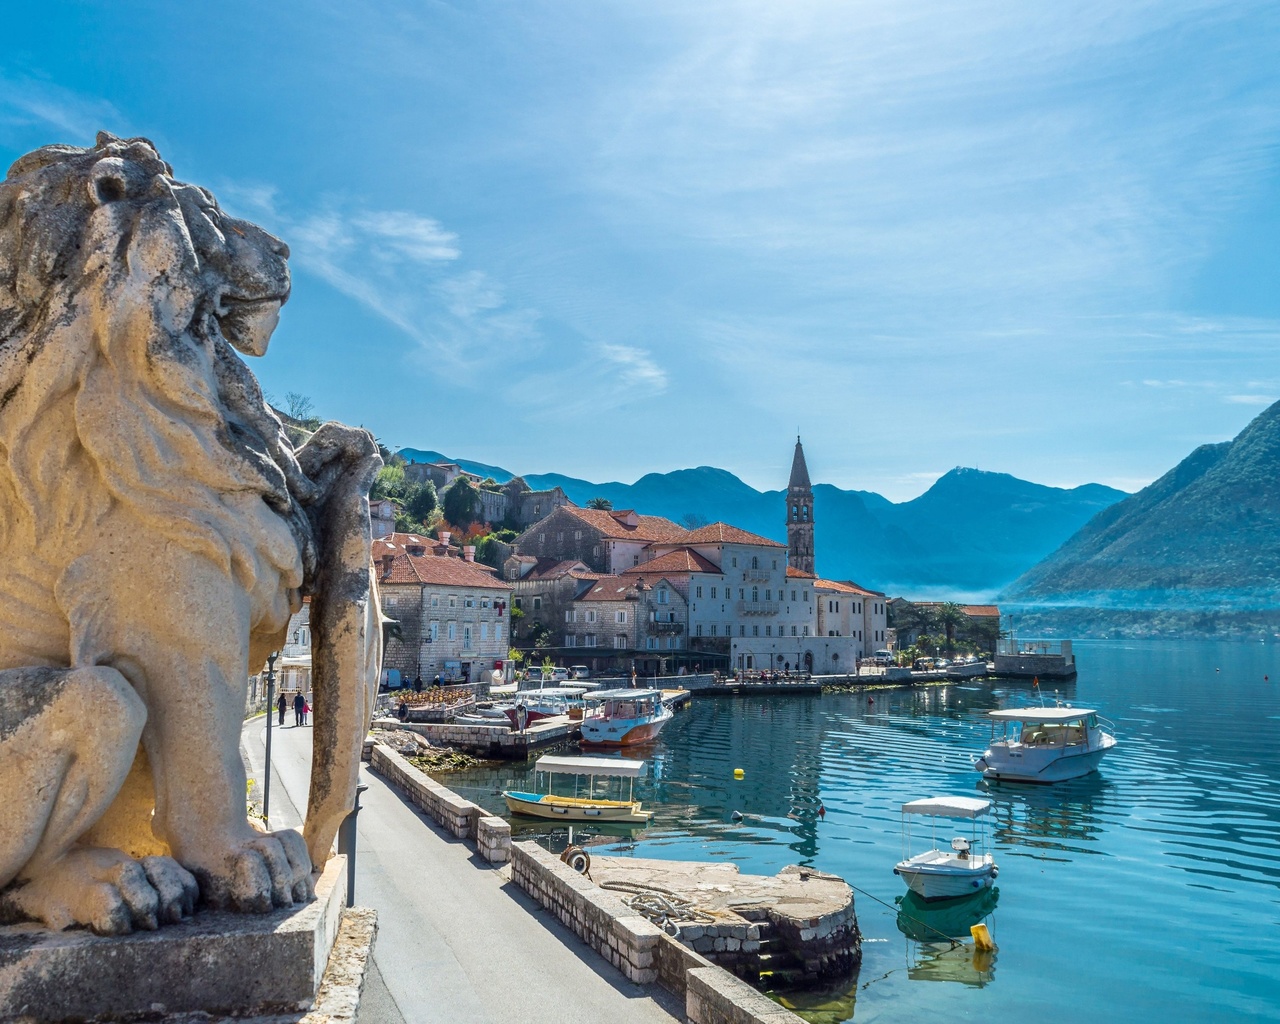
<point>271,713</point>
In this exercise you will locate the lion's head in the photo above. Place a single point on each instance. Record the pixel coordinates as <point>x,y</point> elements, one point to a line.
<point>122,293</point>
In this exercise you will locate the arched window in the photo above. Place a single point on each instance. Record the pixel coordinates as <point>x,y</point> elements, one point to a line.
<point>755,562</point>
<point>806,512</point>
<point>795,511</point>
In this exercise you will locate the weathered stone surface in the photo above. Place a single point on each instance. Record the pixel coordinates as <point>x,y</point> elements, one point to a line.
<point>215,962</point>
<point>156,531</point>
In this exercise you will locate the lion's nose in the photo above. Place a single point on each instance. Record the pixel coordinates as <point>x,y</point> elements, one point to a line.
<point>278,247</point>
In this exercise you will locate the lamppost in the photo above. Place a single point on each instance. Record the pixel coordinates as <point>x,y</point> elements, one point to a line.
<point>271,713</point>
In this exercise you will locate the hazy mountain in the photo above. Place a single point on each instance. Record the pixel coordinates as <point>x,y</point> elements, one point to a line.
<point>1205,537</point>
<point>971,533</point>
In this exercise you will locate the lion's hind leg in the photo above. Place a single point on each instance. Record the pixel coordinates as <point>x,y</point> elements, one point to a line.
<point>67,741</point>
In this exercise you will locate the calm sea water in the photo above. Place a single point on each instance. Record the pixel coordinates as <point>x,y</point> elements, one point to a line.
<point>1147,891</point>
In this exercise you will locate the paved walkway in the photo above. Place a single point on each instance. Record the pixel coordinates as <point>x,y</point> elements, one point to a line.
<point>457,942</point>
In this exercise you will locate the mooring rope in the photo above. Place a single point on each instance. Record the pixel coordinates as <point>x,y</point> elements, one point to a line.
<point>661,906</point>
<point>955,943</point>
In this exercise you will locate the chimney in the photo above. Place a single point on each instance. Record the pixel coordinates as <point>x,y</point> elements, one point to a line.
<point>444,537</point>
<point>386,564</point>
<point>469,552</point>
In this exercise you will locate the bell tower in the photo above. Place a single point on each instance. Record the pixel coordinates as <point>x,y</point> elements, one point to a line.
<point>800,514</point>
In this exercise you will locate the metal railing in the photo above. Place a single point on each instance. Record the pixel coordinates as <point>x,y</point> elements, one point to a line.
<point>758,607</point>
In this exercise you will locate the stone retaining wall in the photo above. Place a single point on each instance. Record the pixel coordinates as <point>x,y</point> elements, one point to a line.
<point>466,820</point>
<point>596,916</point>
<point>637,947</point>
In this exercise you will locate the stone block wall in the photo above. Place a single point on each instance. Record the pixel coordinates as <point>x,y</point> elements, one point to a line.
<point>493,839</point>
<point>713,996</point>
<point>674,961</point>
<point>596,916</point>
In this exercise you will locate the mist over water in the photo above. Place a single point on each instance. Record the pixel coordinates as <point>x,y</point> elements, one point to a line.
<point>1148,890</point>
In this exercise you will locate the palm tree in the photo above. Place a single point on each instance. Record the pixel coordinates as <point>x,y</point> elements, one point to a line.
<point>951,615</point>
<point>600,503</point>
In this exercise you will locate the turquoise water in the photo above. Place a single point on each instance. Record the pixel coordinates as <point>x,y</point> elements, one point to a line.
<point>1149,890</point>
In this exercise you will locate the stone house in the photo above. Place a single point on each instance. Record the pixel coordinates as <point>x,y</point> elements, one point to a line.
<point>620,623</point>
<point>607,540</point>
<point>543,589</point>
<point>851,624</point>
<point>382,517</point>
<point>454,615</point>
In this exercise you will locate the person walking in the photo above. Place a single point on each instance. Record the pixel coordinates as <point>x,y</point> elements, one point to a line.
<point>299,702</point>
<point>306,710</point>
<point>281,704</point>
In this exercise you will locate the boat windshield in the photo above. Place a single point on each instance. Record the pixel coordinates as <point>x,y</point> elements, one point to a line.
<point>1053,734</point>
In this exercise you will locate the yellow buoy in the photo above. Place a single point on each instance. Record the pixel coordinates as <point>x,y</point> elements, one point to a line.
<point>738,773</point>
<point>982,938</point>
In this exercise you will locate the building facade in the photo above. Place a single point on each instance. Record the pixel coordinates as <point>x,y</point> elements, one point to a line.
<point>608,541</point>
<point>625,623</point>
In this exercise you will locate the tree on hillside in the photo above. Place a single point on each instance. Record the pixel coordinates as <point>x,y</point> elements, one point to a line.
<point>515,487</point>
<point>299,406</point>
<point>601,503</point>
<point>420,501</point>
<point>950,617</point>
<point>694,521</point>
<point>389,483</point>
<point>461,503</point>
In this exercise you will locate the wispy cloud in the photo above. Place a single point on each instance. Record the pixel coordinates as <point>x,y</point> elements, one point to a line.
<point>635,367</point>
<point>31,104</point>
<point>1250,399</point>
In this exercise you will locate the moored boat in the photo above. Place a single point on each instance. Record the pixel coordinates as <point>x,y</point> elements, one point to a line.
<point>960,870</point>
<point>1044,745</point>
<point>622,718</point>
<point>545,703</point>
<point>579,807</point>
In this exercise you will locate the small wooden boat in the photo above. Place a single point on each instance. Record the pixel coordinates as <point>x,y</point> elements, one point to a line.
<point>579,806</point>
<point>1044,745</point>
<point>622,718</point>
<point>961,870</point>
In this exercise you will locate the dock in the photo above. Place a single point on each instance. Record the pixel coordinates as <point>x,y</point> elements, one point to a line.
<point>496,742</point>
<point>796,927</point>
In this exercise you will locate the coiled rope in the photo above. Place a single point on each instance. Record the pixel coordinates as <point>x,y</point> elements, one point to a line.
<point>661,906</point>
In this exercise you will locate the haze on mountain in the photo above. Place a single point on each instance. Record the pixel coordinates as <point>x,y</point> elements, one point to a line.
<point>1204,538</point>
<point>970,534</point>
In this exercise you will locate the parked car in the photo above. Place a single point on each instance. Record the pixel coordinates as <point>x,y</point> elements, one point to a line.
<point>579,672</point>
<point>534,674</point>
<point>882,658</point>
<point>559,675</point>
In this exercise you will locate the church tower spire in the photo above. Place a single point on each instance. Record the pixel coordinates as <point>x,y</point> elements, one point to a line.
<point>800,514</point>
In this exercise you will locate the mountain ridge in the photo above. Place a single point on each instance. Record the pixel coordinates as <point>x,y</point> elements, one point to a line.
<point>971,533</point>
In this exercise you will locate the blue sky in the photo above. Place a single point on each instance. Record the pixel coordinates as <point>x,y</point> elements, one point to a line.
<point>612,238</point>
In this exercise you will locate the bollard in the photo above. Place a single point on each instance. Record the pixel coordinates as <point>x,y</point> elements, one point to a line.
<point>347,845</point>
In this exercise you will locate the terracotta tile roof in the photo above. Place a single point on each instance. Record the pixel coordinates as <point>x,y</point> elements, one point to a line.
<point>679,562</point>
<point>614,524</point>
<point>397,543</point>
<point>437,570</point>
<point>723,533</point>
<point>610,588</point>
<point>976,611</point>
<point>796,574</point>
<point>846,587</point>
<point>556,568</point>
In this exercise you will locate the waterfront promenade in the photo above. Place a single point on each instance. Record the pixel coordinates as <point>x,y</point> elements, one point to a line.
<point>457,942</point>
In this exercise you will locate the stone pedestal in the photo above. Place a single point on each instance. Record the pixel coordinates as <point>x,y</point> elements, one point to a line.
<point>216,963</point>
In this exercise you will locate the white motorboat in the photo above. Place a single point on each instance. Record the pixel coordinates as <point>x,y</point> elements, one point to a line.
<point>1044,745</point>
<point>960,870</point>
<point>621,718</point>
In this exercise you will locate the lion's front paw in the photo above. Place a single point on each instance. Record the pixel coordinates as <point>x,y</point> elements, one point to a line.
<point>258,873</point>
<point>107,891</point>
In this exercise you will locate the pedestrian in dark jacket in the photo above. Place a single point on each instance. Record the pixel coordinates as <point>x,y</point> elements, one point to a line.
<point>299,702</point>
<point>281,704</point>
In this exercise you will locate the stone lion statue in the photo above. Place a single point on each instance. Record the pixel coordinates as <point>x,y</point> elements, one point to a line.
<point>157,529</point>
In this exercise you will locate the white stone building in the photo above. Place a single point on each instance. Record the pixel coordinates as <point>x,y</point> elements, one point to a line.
<point>851,625</point>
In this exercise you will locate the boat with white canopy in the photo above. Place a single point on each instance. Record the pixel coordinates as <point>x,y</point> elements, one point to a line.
<point>584,804</point>
<point>619,718</point>
<point>1049,744</point>
<point>960,870</point>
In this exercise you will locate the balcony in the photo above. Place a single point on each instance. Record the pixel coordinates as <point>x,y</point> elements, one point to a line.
<point>758,607</point>
<point>665,628</point>
<point>756,575</point>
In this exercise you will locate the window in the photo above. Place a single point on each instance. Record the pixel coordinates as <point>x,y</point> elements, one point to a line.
<point>742,594</point>
<point>699,592</point>
<point>453,601</point>
<point>755,562</point>
<point>537,509</point>
<point>742,630</point>
<point>700,630</point>
<point>435,600</point>
<point>497,630</point>
<point>635,559</point>
<point>595,551</point>
<point>570,616</point>
<point>768,631</point>
<point>652,644</point>
<point>755,630</point>
<point>775,563</point>
<point>620,641</point>
<point>591,615</point>
<point>620,617</point>
<point>468,602</point>
<point>713,593</point>
<point>805,631</point>
<point>570,640</point>
<point>435,631</point>
<point>537,603</point>
<point>484,602</point>
<point>516,602</point>
<point>806,594</point>
<point>768,595</point>
<point>793,630</point>
<point>755,594</point>
<point>484,631</point>
<point>713,630</point>
<point>453,631</point>
<point>663,594</point>
<point>735,561</point>
<point>589,640</point>
<point>793,595</point>
<point>542,538</point>
<point>673,643</point>
<point>577,535</point>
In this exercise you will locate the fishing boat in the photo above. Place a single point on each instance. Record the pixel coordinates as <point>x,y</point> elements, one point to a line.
<point>1044,745</point>
<point>620,718</point>
<point>581,806</point>
<point>545,703</point>
<point>960,870</point>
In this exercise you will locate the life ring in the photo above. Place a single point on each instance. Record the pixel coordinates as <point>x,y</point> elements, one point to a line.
<point>577,858</point>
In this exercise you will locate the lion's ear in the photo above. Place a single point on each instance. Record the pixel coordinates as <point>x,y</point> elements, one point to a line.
<point>109,182</point>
